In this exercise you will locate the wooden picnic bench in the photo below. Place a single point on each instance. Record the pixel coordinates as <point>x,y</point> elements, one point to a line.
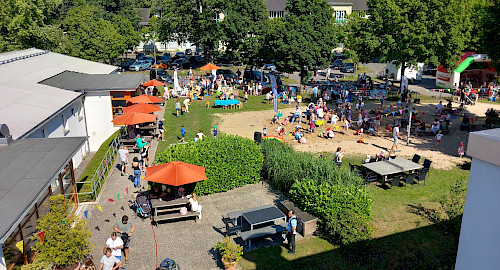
<point>309,222</point>
<point>270,230</point>
<point>170,210</point>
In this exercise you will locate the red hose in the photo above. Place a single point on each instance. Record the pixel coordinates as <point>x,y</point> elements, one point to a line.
<point>156,246</point>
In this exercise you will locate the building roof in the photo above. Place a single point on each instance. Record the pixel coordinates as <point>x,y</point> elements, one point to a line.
<point>357,5</point>
<point>276,5</point>
<point>70,80</point>
<point>144,13</point>
<point>485,145</point>
<point>27,168</point>
<point>25,103</point>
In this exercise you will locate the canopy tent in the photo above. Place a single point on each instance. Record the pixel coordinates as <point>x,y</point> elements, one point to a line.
<point>209,66</point>
<point>142,108</point>
<point>153,82</point>
<point>175,173</point>
<point>134,118</point>
<point>145,99</point>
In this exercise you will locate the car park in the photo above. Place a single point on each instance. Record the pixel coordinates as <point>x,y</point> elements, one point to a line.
<point>163,60</point>
<point>197,61</point>
<point>140,65</point>
<point>180,55</point>
<point>348,68</point>
<point>125,65</point>
<point>180,63</point>
<point>337,64</point>
<point>160,75</point>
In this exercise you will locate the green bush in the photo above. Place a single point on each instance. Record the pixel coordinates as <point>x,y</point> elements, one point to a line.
<point>283,166</point>
<point>344,212</point>
<point>229,162</point>
<point>66,239</point>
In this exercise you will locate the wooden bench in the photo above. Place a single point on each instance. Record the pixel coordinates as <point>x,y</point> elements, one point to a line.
<point>176,215</point>
<point>271,230</point>
<point>309,222</point>
<point>170,210</point>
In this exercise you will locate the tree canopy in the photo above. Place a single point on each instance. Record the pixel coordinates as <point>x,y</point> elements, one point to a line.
<point>491,33</point>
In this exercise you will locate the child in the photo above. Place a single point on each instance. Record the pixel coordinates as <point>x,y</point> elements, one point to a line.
<point>177,107</point>
<point>215,131</point>
<point>183,133</point>
<point>311,126</point>
<point>439,136</point>
<point>461,149</point>
<point>264,131</point>
<point>246,97</point>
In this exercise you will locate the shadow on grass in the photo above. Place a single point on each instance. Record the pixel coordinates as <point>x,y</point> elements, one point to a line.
<point>465,166</point>
<point>422,248</point>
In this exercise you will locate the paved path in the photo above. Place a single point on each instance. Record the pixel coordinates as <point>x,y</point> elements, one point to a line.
<point>190,243</point>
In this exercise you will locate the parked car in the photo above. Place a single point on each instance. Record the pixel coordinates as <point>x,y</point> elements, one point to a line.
<point>429,69</point>
<point>197,61</point>
<point>348,68</point>
<point>167,54</point>
<point>140,55</point>
<point>125,65</point>
<point>160,75</point>
<point>180,63</point>
<point>222,60</point>
<point>148,58</point>
<point>226,73</point>
<point>163,60</point>
<point>180,55</point>
<point>140,65</point>
<point>337,64</point>
<point>188,52</point>
<point>337,56</point>
<point>253,75</point>
<point>269,67</point>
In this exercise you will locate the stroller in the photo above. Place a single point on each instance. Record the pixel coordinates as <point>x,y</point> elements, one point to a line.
<point>168,264</point>
<point>142,206</point>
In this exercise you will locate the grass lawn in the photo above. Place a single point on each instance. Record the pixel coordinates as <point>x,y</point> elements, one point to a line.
<point>200,117</point>
<point>403,239</point>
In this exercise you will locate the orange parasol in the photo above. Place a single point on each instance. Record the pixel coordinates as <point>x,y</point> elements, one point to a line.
<point>145,99</point>
<point>175,173</point>
<point>134,118</point>
<point>142,108</point>
<point>209,66</point>
<point>160,66</point>
<point>153,82</point>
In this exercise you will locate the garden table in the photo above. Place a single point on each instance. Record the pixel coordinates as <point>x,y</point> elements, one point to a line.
<point>389,167</point>
<point>262,216</point>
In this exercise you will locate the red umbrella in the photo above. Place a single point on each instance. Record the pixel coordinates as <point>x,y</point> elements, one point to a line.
<point>145,99</point>
<point>175,173</point>
<point>142,108</point>
<point>209,66</point>
<point>134,118</point>
<point>153,82</point>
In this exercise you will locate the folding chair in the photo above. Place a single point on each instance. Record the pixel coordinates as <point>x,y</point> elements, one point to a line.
<point>409,179</point>
<point>427,166</point>
<point>416,158</point>
<point>421,175</point>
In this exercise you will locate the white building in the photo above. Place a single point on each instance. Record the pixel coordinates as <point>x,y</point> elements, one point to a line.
<point>479,236</point>
<point>34,110</point>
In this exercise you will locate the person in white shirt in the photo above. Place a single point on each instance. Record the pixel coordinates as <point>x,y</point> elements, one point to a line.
<point>395,135</point>
<point>115,243</point>
<point>439,108</point>
<point>195,204</point>
<point>186,104</point>
<point>123,152</point>
<point>200,134</point>
<point>439,137</point>
<point>109,262</point>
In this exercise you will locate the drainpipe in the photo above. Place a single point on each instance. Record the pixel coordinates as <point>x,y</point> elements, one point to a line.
<point>85,118</point>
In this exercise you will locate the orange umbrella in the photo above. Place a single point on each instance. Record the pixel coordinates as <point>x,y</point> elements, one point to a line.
<point>145,99</point>
<point>153,82</point>
<point>175,173</point>
<point>209,66</point>
<point>134,118</point>
<point>142,108</point>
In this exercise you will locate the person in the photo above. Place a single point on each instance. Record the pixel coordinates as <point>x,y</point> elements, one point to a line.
<point>183,134</point>
<point>115,243</point>
<point>339,154</point>
<point>196,138</point>
<point>436,126</point>
<point>291,231</point>
<point>136,166</point>
<point>186,104</point>
<point>268,97</point>
<point>166,93</point>
<point>180,192</point>
<point>195,204</point>
<point>109,262</point>
<point>123,152</point>
<point>264,131</point>
<point>367,160</point>
<point>439,137</point>
<point>125,228</point>
<point>280,115</point>
<point>246,96</point>
<point>161,129</point>
<point>156,192</point>
<point>329,133</point>
<point>215,131</point>
<point>395,135</point>
<point>297,114</point>
<point>315,93</point>
<point>312,126</point>
<point>144,155</point>
<point>439,108</point>
<point>461,149</point>
<point>140,142</point>
<point>200,135</point>
<point>177,107</point>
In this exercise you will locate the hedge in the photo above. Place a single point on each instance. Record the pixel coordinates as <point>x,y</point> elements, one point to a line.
<point>344,211</point>
<point>229,162</point>
<point>283,166</point>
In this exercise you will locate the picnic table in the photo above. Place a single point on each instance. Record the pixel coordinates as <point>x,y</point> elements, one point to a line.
<point>262,222</point>
<point>170,210</point>
<point>388,167</point>
<point>225,103</point>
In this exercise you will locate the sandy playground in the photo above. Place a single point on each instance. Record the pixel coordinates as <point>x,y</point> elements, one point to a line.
<point>444,157</point>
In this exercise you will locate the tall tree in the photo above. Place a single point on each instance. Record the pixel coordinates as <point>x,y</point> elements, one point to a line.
<point>361,43</point>
<point>244,25</point>
<point>303,39</point>
<point>491,33</point>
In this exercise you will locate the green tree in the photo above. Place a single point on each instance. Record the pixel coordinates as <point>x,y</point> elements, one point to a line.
<point>361,43</point>
<point>66,238</point>
<point>244,26</point>
<point>304,39</point>
<point>130,37</point>
<point>491,33</point>
<point>90,36</point>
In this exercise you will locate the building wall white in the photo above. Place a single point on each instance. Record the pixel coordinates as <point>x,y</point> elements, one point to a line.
<point>99,117</point>
<point>69,122</point>
<point>479,237</point>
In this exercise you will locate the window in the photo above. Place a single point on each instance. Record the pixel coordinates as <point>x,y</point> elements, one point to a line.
<point>276,14</point>
<point>340,16</point>
<point>119,103</point>
<point>65,124</point>
<point>118,94</point>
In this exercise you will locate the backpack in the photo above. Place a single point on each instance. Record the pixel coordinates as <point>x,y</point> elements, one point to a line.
<point>300,225</point>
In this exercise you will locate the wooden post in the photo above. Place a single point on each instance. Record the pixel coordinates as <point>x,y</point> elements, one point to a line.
<point>61,182</point>
<point>25,258</point>
<point>73,180</point>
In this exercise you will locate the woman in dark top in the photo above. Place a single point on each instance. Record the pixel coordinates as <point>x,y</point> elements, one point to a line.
<point>136,166</point>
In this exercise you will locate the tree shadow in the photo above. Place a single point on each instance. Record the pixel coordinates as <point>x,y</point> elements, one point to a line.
<point>465,166</point>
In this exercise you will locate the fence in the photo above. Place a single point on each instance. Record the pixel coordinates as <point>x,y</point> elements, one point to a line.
<point>104,167</point>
